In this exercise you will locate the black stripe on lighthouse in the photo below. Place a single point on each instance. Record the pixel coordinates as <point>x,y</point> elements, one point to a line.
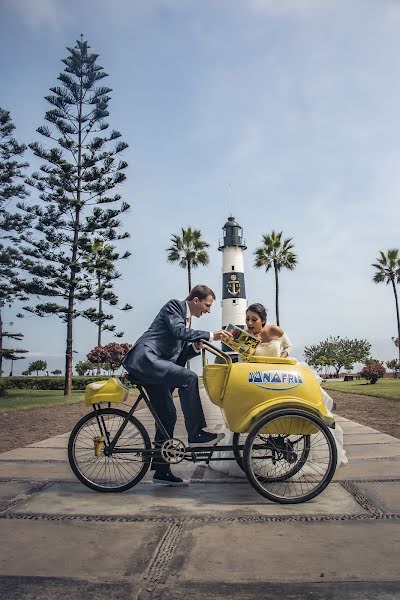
<point>233,285</point>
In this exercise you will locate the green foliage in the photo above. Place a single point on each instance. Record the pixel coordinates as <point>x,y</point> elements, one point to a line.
<point>384,388</point>
<point>56,372</point>
<point>394,365</point>
<point>189,250</point>
<point>2,387</point>
<point>76,186</point>
<point>388,271</point>
<point>37,365</point>
<point>20,400</point>
<point>11,224</point>
<point>373,370</point>
<point>100,263</point>
<point>49,383</point>
<point>277,254</point>
<point>337,352</point>
<point>11,170</point>
<point>83,367</point>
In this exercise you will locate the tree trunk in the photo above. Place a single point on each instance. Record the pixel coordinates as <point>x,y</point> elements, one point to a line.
<point>189,270</point>
<point>1,345</point>
<point>276,295</point>
<point>100,324</point>
<point>68,352</point>
<point>71,294</point>
<point>397,315</point>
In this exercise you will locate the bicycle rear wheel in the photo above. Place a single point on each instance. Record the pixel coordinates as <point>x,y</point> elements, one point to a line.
<point>290,456</point>
<point>87,451</point>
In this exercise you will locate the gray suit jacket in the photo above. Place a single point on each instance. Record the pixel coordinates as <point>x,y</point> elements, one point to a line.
<point>166,341</point>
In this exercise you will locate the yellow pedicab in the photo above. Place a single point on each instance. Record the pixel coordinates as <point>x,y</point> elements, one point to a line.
<point>289,454</point>
<point>275,408</point>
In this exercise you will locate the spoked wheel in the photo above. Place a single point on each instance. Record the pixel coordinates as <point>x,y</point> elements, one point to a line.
<point>239,439</point>
<point>290,456</point>
<point>87,451</point>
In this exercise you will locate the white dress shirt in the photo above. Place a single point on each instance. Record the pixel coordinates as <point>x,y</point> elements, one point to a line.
<point>189,324</point>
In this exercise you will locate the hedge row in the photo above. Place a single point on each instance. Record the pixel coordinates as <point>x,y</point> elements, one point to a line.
<point>47,383</point>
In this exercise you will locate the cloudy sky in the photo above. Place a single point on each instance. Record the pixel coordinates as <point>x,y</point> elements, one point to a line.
<point>284,113</point>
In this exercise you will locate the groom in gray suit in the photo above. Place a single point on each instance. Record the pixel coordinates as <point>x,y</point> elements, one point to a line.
<point>157,359</point>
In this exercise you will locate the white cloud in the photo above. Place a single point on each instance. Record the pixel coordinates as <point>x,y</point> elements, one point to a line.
<point>36,14</point>
<point>283,7</point>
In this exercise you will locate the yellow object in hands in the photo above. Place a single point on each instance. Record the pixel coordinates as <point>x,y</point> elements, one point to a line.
<point>111,390</point>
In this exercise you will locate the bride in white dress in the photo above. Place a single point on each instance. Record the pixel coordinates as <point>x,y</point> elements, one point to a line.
<point>274,343</point>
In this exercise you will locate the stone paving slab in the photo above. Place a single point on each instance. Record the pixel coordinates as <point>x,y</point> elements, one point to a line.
<point>354,427</point>
<point>288,552</point>
<point>373,451</point>
<point>11,489</point>
<point>385,494</point>
<point>29,453</point>
<point>103,551</point>
<point>148,500</point>
<point>40,471</point>
<point>271,591</point>
<point>369,469</point>
<point>58,441</point>
<point>369,438</point>
<point>53,588</point>
<point>366,450</point>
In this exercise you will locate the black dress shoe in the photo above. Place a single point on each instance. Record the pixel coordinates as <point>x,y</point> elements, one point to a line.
<point>169,479</point>
<point>203,438</point>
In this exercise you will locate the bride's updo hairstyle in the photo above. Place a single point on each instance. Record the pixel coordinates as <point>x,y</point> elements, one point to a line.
<point>260,310</point>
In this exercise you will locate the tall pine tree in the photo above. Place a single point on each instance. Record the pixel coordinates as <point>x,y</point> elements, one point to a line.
<point>77,186</point>
<point>12,223</point>
<point>100,264</point>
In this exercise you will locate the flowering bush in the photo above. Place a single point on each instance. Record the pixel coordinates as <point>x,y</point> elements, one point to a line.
<point>110,355</point>
<point>373,370</point>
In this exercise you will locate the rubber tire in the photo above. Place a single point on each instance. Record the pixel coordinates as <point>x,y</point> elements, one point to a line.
<point>82,478</point>
<point>236,452</point>
<point>262,423</point>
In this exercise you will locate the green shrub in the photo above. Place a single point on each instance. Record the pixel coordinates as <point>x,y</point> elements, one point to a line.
<point>49,383</point>
<point>2,388</point>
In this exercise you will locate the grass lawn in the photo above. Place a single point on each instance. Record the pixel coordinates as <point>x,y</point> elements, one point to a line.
<point>24,399</point>
<point>383,388</point>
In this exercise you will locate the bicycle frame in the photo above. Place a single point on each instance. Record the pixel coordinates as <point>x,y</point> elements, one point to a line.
<point>193,453</point>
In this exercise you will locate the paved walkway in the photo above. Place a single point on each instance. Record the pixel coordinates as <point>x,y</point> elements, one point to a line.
<point>213,539</point>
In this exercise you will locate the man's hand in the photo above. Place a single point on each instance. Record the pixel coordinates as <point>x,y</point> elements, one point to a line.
<point>221,334</point>
<point>197,346</point>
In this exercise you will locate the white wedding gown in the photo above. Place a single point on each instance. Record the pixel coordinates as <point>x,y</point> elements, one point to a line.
<point>230,467</point>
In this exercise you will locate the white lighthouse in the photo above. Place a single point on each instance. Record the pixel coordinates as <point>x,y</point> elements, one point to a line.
<point>234,303</point>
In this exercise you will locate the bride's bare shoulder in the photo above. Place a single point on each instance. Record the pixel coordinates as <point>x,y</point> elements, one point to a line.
<point>271,332</point>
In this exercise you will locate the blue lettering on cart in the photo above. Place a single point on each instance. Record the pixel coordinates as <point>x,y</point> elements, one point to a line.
<point>277,380</point>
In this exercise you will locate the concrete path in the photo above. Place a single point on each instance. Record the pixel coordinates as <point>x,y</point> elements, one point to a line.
<point>216,538</point>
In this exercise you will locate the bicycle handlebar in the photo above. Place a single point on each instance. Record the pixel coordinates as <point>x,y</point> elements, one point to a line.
<point>216,351</point>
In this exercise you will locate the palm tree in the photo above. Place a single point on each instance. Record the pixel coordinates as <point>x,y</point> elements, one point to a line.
<point>388,270</point>
<point>189,250</point>
<point>277,254</point>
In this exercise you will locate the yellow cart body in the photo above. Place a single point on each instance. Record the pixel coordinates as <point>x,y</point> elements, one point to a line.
<point>246,391</point>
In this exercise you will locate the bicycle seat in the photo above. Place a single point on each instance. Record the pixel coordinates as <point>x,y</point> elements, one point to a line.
<point>111,390</point>
<point>133,380</point>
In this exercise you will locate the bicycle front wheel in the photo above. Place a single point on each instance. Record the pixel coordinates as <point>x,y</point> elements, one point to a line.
<point>87,451</point>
